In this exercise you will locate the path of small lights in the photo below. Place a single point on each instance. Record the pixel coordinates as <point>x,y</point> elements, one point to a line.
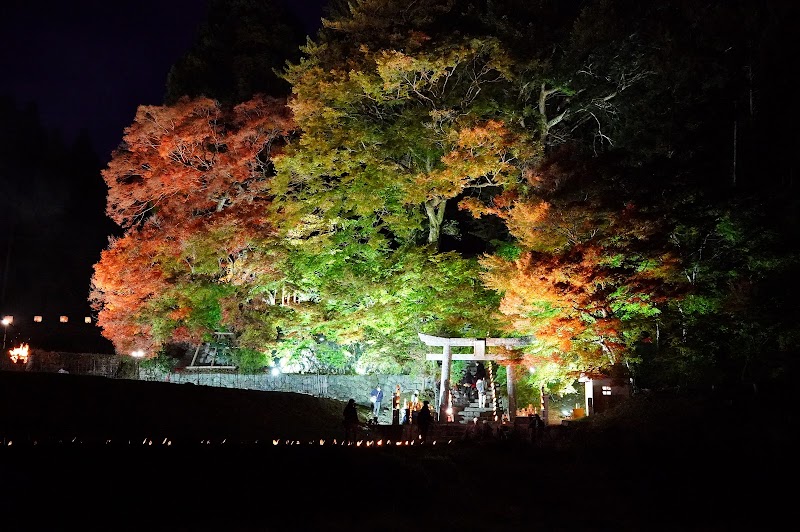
<point>148,442</point>
<point>494,391</point>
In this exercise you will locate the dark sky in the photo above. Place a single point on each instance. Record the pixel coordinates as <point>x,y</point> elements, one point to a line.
<point>90,63</point>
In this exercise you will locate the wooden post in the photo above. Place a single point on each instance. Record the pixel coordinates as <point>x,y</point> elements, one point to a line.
<point>541,401</point>
<point>512,401</point>
<point>444,382</point>
<point>545,407</point>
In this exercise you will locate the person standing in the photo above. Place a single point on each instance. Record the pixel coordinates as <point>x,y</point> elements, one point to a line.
<point>424,419</point>
<point>396,406</point>
<point>469,384</point>
<point>376,396</point>
<point>480,371</point>
<point>480,384</point>
<point>350,421</point>
<point>535,428</point>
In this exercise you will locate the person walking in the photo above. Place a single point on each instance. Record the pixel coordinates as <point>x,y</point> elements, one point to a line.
<point>424,419</point>
<point>350,421</point>
<point>376,396</point>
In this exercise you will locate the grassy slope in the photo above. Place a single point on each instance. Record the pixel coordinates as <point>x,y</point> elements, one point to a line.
<point>64,405</point>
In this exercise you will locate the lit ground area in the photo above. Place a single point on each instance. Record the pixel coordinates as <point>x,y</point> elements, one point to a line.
<point>652,465</point>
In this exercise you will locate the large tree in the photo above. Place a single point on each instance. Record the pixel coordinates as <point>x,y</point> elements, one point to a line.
<point>189,185</point>
<point>398,114</point>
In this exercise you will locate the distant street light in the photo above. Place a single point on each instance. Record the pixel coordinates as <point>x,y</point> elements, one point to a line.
<point>6,323</point>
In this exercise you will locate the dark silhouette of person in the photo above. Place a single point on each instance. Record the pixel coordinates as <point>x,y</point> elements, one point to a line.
<point>350,421</point>
<point>396,406</point>
<point>535,427</point>
<point>480,371</point>
<point>424,418</point>
<point>469,384</point>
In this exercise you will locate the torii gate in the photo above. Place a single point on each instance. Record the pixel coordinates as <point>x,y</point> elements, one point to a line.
<point>478,353</point>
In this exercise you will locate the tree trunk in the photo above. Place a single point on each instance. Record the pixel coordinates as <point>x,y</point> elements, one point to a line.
<point>434,208</point>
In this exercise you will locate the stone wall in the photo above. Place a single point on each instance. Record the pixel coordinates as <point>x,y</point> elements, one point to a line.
<point>341,387</point>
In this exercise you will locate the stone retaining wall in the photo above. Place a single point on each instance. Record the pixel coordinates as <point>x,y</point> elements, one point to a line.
<point>341,387</point>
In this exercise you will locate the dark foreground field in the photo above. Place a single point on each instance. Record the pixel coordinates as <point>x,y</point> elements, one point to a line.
<point>654,464</point>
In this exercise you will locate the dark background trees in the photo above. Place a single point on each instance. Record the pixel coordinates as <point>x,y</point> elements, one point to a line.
<point>237,52</point>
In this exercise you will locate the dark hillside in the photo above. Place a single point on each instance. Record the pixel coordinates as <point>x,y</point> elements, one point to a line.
<point>654,463</point>
<point>65,406</point>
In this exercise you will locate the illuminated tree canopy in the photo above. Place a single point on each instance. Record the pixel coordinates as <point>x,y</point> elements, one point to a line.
<point>548,168</point>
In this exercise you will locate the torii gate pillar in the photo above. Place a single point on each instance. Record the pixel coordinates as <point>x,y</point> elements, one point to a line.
<point>512,400</point>
<point>444,382</point>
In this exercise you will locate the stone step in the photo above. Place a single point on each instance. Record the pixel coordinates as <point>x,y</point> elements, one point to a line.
<point>481,414</point>
<point>477,409</point>
<point>474,411</point>
<point>470,415</point>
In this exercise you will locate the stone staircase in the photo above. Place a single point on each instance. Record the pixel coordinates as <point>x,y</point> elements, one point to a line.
<point>472,410</point>
<point>466,409</point>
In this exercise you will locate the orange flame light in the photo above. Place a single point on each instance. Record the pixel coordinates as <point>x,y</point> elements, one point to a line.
<point>19,353</point>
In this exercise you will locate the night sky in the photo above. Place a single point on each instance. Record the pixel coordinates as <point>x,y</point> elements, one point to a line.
<point>90,64</point>
<point>83,67</point>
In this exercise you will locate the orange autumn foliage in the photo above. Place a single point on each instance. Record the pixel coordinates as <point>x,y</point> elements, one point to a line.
<point>581,277</point>
<point>193,157</point>
<point>190,185</point>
